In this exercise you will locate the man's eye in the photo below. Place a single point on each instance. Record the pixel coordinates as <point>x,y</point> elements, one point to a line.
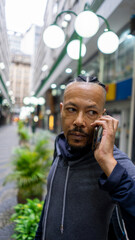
<point>92,113</point>
<point>71,110</point>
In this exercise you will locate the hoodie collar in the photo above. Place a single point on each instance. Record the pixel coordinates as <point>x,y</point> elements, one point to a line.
<point>69,153</point>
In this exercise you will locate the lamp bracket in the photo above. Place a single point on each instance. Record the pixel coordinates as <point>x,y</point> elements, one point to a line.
<point>106,22</point>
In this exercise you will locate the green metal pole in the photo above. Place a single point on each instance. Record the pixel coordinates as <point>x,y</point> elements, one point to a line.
<point>80,57</point>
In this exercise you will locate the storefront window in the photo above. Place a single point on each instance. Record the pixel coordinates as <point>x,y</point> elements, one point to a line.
<point>92,68</point>
<point>119,66</point>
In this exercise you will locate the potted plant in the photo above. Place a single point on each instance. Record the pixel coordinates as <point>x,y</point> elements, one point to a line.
<point>30,168</point>
<point>23,133</point>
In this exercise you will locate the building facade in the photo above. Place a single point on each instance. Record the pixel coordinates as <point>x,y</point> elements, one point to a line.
<point>22,50</point>
<point>15,39</point>
<point>30,40</point>
<point>20,77</point>
<point>5,100</point>
<point>115,70</point>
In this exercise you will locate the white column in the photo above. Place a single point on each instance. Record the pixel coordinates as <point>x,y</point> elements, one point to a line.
<point>101,67</point>
<point>123,133</point>
<point>132,115</point>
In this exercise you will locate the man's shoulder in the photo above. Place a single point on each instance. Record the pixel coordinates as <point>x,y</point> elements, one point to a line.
<point>123,159</point>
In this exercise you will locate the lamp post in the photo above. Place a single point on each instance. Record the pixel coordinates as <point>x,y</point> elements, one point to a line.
<point>86,25</point>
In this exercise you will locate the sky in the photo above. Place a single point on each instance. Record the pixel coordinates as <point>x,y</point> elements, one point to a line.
<point>20,14</point>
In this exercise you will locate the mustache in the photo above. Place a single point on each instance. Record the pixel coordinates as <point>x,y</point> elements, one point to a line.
<point>78,129</point>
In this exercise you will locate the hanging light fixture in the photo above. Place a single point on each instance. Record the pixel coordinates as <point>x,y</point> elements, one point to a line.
<point>54,36</point>
<point>108,42</point>
<point>86,24</point>
<point>41,101</point>
<point>26,100</point>
<point>73,49</point>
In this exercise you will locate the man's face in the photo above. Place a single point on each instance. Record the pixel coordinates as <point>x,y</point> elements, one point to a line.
<point>83,104</point>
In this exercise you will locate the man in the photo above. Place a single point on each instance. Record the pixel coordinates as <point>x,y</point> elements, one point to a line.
<point>84,184</point>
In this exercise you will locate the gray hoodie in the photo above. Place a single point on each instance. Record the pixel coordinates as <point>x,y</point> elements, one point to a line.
<point>76,208</point>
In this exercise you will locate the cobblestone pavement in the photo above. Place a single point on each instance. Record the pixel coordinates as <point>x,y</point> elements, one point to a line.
<point>8,141</point>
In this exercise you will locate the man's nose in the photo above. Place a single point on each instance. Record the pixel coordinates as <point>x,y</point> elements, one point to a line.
<point>79,120</point>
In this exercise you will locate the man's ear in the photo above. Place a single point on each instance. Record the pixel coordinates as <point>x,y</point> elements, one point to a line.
<point>61,107</point>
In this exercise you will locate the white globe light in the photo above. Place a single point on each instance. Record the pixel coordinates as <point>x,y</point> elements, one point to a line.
<point>53,36</point>
<point>35,118</point>
<point>33,100</point>
<point>26,100</point>
<point>32,109</point>
<point>68,70</point>
<point>67,17</point>
<point>86,24</point>
<point>108,42</point>
<point>73,49</point>
<point>41,101</point>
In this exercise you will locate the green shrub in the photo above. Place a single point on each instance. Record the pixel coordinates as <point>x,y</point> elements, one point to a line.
<point>24,134</point>
<point>20,124</point>
<point>31,166</point>
<point>26,219</point>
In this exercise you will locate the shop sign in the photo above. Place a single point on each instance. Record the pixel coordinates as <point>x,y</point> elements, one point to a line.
<point>110,92</point>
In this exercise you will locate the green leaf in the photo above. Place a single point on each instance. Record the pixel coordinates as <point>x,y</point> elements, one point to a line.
<point>27,223</point>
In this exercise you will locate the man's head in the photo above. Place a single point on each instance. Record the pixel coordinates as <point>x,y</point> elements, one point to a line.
<point>83,103</point>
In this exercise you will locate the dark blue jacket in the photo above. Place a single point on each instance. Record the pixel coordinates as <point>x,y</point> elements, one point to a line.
<point>80,198</point>
<point>121,188</point>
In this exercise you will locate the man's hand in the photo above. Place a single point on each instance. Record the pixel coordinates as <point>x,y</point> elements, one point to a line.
<point>104,149</point>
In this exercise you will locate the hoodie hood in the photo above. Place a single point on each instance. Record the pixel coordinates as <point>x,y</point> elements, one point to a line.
<point>73,155</point>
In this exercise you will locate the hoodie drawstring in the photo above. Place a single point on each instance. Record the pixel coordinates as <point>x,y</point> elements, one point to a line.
<point>64,201</point>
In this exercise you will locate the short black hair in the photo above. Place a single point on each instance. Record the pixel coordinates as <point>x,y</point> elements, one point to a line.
<point>90,79</point>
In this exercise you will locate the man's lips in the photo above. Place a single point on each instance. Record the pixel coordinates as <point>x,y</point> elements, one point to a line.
<point>77,134</point>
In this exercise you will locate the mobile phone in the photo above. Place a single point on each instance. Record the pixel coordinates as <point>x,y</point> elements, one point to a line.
<point>96,136</point>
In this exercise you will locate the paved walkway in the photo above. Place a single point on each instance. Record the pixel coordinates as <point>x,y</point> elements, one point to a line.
<point>8,141</point>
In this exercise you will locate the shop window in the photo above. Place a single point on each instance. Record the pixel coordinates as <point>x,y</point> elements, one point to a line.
<point>119,65</point>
